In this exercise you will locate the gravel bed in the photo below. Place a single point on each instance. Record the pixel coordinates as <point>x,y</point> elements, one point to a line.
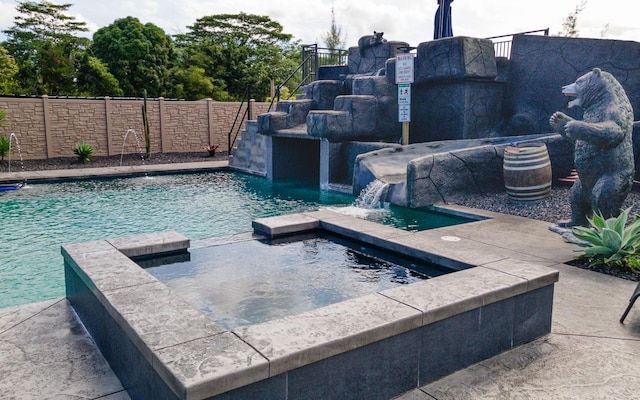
<point>552,209</point>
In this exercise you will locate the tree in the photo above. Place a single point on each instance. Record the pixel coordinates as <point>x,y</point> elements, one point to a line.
<point>194,84</point>
<point>570,23</point>
<point>44,46</point>
<point>139,56</point>
<point>239,49</point>
<point>43,21</point>
<point>94,78</point>
<point>55,65</point>
<point>333,39</point>
<point>8,70</point>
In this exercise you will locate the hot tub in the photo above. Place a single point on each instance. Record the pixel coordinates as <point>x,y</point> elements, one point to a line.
<point>375,346</point>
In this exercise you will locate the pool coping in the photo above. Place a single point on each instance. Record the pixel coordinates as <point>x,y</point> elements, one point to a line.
<point>76,174</point>
<point>197,359</point>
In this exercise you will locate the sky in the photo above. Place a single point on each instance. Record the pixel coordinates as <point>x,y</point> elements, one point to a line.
<point>405,20</point>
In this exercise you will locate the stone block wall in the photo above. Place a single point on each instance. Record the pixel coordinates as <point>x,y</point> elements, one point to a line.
<point>455,93</point>
<point>187,125</point>
<point>50,127</point>
<point>455,110</point>
<point>456,58</point>
<point>26,116</point>
<point>541,65</point>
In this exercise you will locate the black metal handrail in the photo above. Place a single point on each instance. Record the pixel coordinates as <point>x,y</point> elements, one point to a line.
<point>283,84</point>
<point>313,57</point>
<point>503,47</point>
<point>238,120</point>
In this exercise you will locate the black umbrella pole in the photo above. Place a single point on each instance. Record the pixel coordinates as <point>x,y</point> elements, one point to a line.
<point>441,25</point>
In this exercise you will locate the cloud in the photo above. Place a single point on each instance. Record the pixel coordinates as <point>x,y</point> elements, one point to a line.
<point>8,14</point>
<point>409,20</point>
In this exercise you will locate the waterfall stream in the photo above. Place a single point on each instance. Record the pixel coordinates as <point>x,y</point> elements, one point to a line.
<point>372,197</point>
<point>371,200</point>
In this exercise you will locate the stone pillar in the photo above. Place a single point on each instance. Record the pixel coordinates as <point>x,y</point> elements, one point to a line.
<point>47,128</point>
<point>268,156</point>
<point>210,119</point>
<point>455,94</point>
<point>325,167</point>
<point>250,112</point>
<point>163,138</point>
<point>107,118</point>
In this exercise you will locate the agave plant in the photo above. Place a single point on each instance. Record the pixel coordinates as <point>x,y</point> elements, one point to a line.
<point>610,240</point>
<point>83,151</point>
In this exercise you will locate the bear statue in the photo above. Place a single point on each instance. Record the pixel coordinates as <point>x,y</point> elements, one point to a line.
<point>370,41</point>
<point>603,146</point>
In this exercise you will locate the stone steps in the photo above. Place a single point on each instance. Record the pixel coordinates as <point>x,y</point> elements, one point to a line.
<point>249,153</point>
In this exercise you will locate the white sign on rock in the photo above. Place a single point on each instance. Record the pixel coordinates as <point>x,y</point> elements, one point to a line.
<point>404,68</point>
<point>404,93</point>
<point>404,112</point>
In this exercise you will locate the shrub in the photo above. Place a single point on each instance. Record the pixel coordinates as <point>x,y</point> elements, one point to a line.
<point>5,143</point>
<point>611,240</point>
<point>83,151</point>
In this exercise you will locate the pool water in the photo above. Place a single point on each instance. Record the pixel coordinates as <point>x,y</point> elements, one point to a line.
<point>39,218</point>
<point>250,282</point>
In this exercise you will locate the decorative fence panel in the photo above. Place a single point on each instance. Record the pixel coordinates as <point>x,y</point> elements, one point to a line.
<point>49,127</point>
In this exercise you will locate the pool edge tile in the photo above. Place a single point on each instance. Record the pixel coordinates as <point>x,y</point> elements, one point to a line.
<point>444,296</point>
<point>150,243</point>
<point>199,369</point>
<point>285,224</point>
<point>302,339</point>
<point>537,274</point>
<point>155,317</point>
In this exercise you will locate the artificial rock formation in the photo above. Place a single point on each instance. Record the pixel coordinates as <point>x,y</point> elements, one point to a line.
<point>351,102</point>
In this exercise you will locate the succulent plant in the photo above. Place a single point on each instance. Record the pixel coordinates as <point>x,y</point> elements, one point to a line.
<point>610,240</point>
<point>83,151</point>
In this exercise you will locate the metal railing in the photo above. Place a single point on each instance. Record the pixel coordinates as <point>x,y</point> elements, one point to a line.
<point>313,57</point>
<point>503,47</point>
<point>238,121</point>
<point>317,57</point>
<point>276,97</point>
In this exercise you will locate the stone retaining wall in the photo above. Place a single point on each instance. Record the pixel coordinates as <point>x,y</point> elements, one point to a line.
<point>49,127</point>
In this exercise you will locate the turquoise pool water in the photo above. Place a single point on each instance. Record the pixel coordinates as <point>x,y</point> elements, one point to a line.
<point>39,218</point>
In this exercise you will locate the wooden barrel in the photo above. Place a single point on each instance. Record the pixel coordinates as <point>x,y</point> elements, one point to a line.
<point>527,172</point>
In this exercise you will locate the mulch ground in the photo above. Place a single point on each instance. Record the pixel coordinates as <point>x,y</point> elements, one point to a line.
<point>110,161</point>
<point>609,269</point>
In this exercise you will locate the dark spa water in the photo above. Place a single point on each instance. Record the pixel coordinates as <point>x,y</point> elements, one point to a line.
<point>249,282</point>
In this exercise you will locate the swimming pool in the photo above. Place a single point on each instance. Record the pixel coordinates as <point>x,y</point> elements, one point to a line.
<point>39,218</point>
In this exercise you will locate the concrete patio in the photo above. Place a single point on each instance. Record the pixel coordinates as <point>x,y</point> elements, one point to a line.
<point>588,355</point>
<point>45,352</point>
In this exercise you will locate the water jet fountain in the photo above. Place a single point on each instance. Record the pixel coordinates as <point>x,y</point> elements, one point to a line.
<point>13,186</point>
<point>138,147</point>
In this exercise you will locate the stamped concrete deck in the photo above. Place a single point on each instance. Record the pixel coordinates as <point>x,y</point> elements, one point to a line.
<point>45,352</point>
